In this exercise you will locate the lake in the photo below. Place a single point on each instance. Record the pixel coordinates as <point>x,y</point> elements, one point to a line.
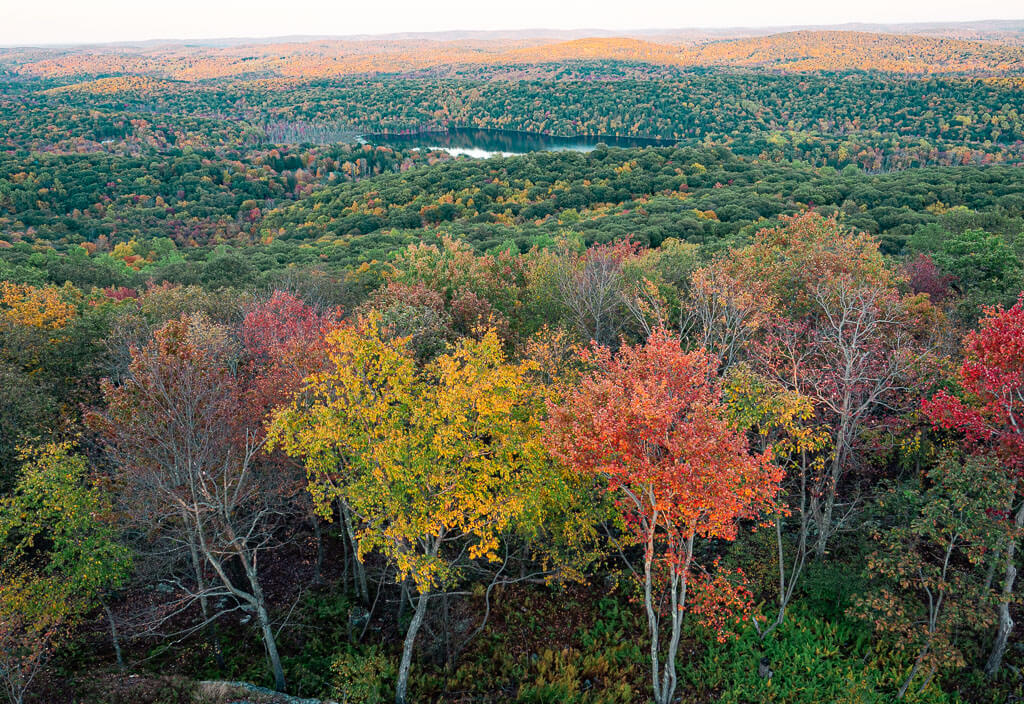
<point>465,141</point>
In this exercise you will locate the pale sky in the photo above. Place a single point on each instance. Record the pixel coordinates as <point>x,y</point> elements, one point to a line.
<point>27,22</point>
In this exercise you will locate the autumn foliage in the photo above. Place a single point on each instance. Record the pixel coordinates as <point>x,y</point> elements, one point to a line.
<point>364,420</point>
<point>285,340</point>
<point>992,379</point>
<point>803,51</point>
<point>649,421</point>
<point>988,415</point>
<point>438,462</point>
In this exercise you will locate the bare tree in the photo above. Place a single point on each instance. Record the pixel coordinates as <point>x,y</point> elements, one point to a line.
<point>856,357</point>
<point>191,473</point>
<point>591,286</point>
<point>721,314</point>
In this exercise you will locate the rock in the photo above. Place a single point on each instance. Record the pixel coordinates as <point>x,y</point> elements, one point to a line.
<point>246,693</point>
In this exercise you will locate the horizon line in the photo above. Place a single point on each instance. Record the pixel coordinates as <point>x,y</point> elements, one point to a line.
<point>523,33</point>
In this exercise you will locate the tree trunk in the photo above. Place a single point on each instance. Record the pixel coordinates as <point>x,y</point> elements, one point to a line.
<point>913,673</point>
<point>652,617</point>
<point>787,583</point>
<point>843,442</point>
<point>997,558</point>
<point>318,535</point>
<point>663,676</point>
<point>204,604</point>
<point>995,659</point>
<point>446,631</point>
<point>669,678</point>
<point>271,645</point>
<point>825,518</point>
<point>113,636</point>
<point>410,640</point>
<point>997,554</point>
<point>403,599</point>
<point>360,572</point>
<point>266,628</point>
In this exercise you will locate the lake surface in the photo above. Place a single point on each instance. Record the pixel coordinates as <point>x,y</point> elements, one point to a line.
<point>464,141</point>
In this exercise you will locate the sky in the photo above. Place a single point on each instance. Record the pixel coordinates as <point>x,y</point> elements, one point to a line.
<point>32,22</point>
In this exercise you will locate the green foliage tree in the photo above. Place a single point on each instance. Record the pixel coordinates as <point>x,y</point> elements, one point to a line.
<point>930,598</point>
<point>60,555</point>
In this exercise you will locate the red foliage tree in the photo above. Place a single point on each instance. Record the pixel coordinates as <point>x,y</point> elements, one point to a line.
<point>925,277</point>
<point>990,414</point>
<point>284,338</point>
<point>282,319</point>
<point>649,421</point>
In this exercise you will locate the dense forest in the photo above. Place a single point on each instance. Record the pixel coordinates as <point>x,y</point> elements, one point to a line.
<point>288,411</point>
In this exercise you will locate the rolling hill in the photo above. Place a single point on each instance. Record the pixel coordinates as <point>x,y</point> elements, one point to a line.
<point>797,51</point>
<point>843,51</point>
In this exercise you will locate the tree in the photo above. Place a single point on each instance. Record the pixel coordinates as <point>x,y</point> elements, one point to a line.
<point>188,466</point>
<point>783,423</point>
<point>989,414</point>
<point>858,359</point>
<point>58,555</point>
<point>834,329</point>
<point>924,276</point>
<point>984,265</point>
<point>37,374</point>
<point>414,312</point>
<point>650,423</point>
<point>592,287</point>
<point>25,412</point>
<point>283,321</point>
<point>723,313</point>
<point>790,262</point>
<point>454,269</point>
<point>929,589</point>
<point>44,308</point>
<point>285,341</point>
<point>437,463</point>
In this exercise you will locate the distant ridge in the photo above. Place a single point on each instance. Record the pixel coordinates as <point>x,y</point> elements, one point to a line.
<point>622,48</point>
<point>1011,30</point>
<point>807,50</point>
<point>795,51</point>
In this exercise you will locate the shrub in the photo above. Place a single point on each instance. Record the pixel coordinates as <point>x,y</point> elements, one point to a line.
<point>811,661</point>
<point>365,677</point>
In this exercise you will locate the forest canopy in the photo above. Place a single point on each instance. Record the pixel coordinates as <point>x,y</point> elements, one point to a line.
<point>708,389</point>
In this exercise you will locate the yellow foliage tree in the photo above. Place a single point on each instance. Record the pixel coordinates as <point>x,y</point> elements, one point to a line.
<point>783,423</point>
<point>45,308</point>
<point>435,463</point>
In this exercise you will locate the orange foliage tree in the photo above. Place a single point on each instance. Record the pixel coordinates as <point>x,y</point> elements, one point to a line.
<point>650,422</point>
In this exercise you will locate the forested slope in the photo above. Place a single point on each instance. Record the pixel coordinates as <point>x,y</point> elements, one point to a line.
<point>731,417</point>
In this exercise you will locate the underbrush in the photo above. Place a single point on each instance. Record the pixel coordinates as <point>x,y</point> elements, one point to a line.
<point>552,645</point>
<point>806,660</point>
<point>530,656</point>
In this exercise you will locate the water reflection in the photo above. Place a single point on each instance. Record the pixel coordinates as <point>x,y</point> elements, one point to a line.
<point>481,144</point>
